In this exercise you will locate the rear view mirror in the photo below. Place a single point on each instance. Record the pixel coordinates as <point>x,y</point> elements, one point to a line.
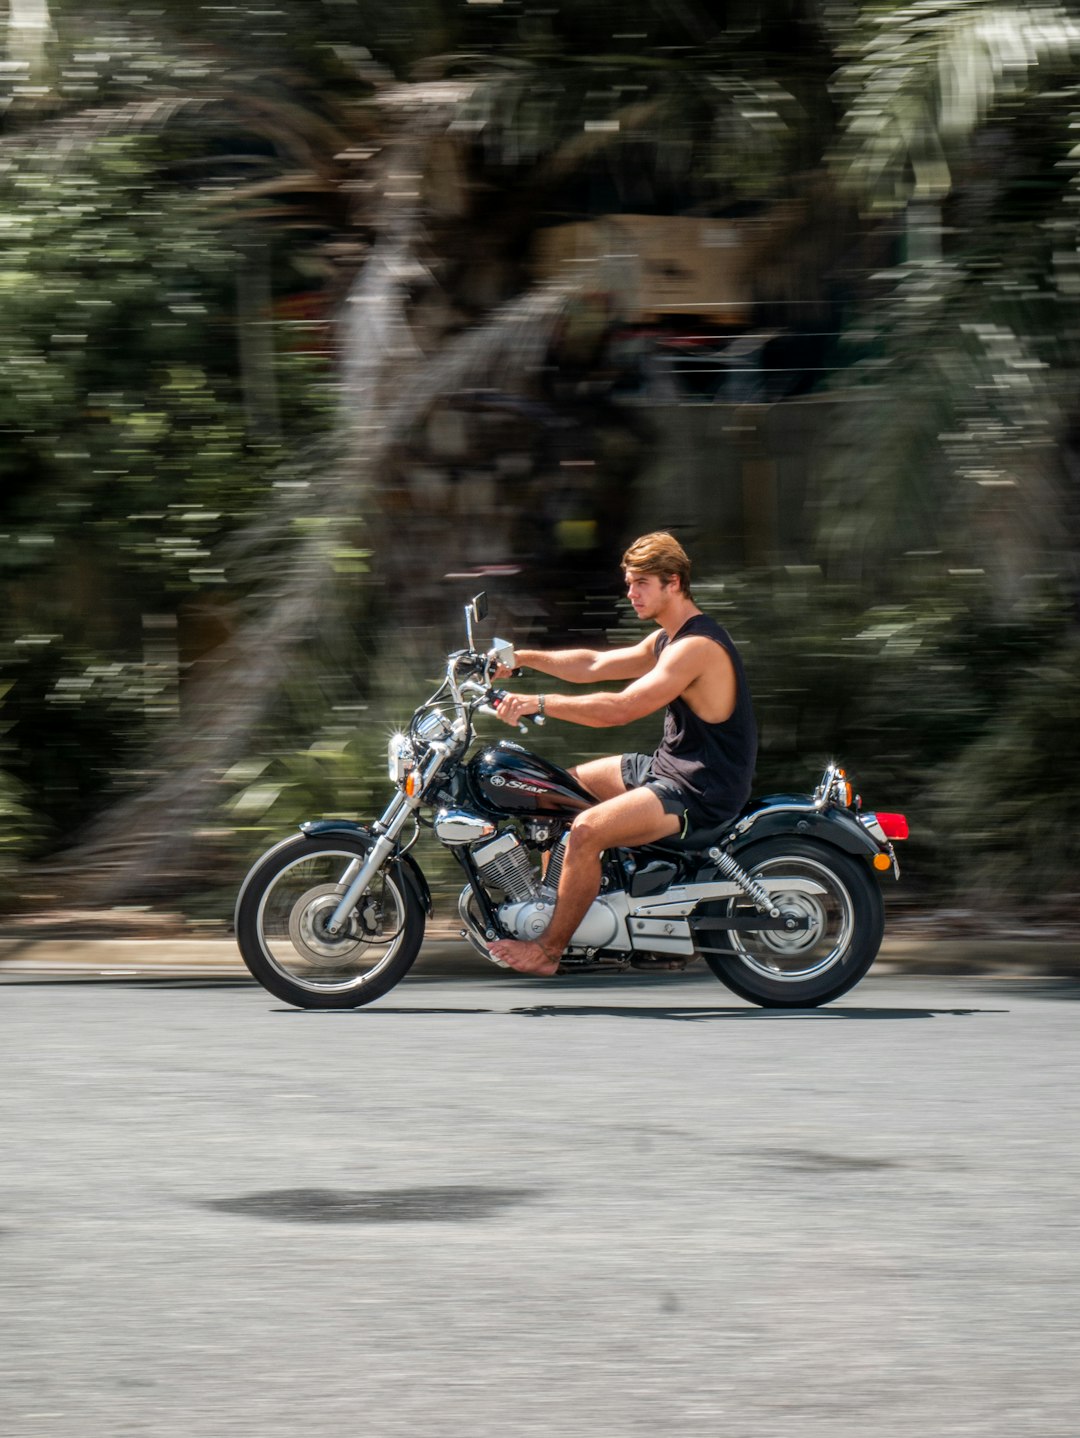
<point>475,610</point>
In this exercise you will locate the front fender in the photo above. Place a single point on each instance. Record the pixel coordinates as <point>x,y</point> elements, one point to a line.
<point>316,828</point>
<point>838,827</point>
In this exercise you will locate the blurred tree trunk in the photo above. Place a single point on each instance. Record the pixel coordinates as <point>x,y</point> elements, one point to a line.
<point>255,333</point>
<point>29,31</point>
<point>152,843</point>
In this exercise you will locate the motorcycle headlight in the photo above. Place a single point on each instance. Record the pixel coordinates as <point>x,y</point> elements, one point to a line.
<point>399,758</point>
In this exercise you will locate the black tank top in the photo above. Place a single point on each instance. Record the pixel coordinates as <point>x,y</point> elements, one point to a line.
<point>712,763</point>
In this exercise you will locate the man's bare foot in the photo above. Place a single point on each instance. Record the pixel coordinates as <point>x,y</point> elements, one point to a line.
<point>526,958</point>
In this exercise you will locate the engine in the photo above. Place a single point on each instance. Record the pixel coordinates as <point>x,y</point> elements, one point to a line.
<point>504,864</point>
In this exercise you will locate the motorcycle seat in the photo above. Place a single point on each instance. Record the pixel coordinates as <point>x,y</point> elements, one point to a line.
<point>695,840</point>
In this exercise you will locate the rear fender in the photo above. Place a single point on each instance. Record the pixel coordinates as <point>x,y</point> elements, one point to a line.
<point>838,827</point>
<point>348,828</point>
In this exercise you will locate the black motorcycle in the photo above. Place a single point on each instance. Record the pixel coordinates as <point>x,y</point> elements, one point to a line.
<point>781,902</point>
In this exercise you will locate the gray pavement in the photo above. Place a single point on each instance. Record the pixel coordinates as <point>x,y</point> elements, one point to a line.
<point>603,1207</point>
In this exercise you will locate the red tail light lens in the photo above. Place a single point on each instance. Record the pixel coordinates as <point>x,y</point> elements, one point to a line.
<point>895,826</point>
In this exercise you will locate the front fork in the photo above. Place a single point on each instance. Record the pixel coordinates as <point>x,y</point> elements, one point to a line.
<point>400,810</point>
<point>388,828</point>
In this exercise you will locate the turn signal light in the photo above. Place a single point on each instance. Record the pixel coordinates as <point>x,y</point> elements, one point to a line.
<point>412,784</point>
<point>895,826</point>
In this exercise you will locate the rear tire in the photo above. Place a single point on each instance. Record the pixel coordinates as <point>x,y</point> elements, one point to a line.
<point>814,965</point>
<point>281,914</point>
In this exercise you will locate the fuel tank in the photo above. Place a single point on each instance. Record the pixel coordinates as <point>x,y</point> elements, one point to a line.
<point>507,779</point>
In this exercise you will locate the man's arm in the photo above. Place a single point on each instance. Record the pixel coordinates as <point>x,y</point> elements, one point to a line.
<point>592,666</point>
<point>670,676</point>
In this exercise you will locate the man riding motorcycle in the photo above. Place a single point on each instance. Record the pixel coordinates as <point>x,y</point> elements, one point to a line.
<point>700,776</point>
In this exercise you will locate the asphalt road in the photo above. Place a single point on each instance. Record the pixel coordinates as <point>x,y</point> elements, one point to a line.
<point>501,1206</point>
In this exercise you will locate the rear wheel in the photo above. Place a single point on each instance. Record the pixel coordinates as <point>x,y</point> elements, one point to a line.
<point>841,924</point>
<point>285,907</point>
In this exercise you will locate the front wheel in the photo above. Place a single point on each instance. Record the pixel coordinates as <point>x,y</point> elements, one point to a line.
<point>281,925</point>
<point>841,925</point>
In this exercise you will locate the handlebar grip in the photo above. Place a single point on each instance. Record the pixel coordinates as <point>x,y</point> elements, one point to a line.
<point>487,709</point>
<point>499,695</point>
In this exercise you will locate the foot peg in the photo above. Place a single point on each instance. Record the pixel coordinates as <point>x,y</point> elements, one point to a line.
<point>482,949</point>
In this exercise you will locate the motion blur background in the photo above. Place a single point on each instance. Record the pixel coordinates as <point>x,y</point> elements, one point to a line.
<point>320,317</point>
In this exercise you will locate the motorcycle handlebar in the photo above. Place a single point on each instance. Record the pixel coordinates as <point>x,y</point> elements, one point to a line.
<point>491,698</point>
<point>500,694</point>
<point>487,709</point>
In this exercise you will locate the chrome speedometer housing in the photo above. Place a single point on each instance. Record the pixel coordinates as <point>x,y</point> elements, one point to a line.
<point>433,727</point>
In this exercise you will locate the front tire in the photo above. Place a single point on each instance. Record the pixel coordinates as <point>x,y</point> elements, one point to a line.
<point>815,964</point>
<point>281,918</point>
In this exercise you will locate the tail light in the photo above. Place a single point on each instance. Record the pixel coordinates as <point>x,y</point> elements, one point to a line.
<point>894,826</point>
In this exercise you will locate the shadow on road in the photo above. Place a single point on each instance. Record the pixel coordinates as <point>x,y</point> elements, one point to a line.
<point>688,1015</point>
<point>680,1014</point>
<point>435,1203</point>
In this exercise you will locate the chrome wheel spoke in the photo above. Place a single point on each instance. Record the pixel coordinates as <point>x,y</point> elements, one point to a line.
<point>294,917</point>
<point>827,922</point>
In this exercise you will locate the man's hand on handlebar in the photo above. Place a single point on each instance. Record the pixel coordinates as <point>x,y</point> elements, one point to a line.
<point>512,708</point>
<point>501,660</point>
<point>502,672</point>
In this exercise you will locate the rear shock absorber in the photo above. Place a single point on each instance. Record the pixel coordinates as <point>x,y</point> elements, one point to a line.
<point>731,869</point>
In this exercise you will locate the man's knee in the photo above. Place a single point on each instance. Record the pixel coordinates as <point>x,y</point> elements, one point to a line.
<point>586,833</point>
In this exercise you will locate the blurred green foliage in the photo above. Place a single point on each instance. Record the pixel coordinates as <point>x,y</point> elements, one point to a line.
<point>1007,805</point>
<point>904,693</point>
<point>16,826</point>
<point>171,180</point>
<point>128,458</point>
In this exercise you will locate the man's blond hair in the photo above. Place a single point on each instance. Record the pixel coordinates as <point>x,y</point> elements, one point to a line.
<point>661,554</point>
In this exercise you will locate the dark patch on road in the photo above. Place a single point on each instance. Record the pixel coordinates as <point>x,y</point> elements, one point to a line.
<point>814,1161</point>
<point>437,1204</point>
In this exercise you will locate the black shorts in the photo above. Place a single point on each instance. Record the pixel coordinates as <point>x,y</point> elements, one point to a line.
<point>637,773</point>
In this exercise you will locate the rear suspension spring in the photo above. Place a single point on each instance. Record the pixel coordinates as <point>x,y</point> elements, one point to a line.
<point>731,869</point>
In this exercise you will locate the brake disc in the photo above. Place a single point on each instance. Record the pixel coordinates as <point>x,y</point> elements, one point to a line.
<point>308,930</point>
